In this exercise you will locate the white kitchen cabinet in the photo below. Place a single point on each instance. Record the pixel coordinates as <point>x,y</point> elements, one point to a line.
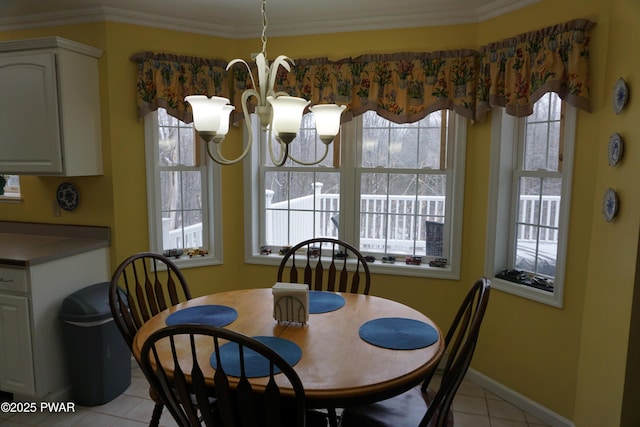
<point>16,364</point>
<point>49,108</point>
<point>32,353</point>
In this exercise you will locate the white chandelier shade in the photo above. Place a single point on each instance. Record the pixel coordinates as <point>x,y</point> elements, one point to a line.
<point>327,120</point>
<point>280,114</point>
<point>287,115</point>
<point>210,116</point>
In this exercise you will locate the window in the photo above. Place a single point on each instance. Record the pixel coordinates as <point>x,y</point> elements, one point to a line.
<point>531,164</point>
<point>183,191</point>
<point>392,190</point>
<point>11,187</point>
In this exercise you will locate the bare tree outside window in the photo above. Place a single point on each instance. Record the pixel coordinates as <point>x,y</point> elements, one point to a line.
<point>539,186</point>
<point>180,183</point>
<point>402,173</point>
<point>395,205</point>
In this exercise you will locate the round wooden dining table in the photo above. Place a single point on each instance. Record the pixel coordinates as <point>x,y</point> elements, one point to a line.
<point>337,368</point>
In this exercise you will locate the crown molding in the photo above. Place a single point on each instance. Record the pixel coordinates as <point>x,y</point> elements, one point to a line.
<point>502,7</point>
<point>48,43</point>
<point>109,14</point>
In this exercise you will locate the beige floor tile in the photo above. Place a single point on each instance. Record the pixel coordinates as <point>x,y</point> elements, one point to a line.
<point>129,423</point>
<point>498,422</point>
<point>139,387</point>
<point>142,411</point>
<point>66,419</point>
<point>533,421</point>
<point>28,419</point>
<point>470,420</point>
<point>490,395</point>
<point>136,371</point>
<point>505,410</point>
<point>95,419</point>
<point>166,420</point>
<point>118,406</point>
<point>8,423</point>
<point>470,405</point>
<point>468,388</point>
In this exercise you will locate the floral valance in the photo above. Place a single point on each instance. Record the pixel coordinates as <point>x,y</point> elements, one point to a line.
<point>165,79</point>
<point>516,72</point>
<point>402,87</point>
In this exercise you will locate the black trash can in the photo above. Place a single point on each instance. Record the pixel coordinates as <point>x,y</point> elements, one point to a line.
<point>98,359</point>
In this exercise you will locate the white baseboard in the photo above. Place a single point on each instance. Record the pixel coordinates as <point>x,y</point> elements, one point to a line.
<point>540,412</point>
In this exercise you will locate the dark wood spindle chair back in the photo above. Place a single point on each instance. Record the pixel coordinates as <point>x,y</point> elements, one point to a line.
<point>321,264</point>
<point>141,286</point>
<point>421,406</point>
<point>218,400</point>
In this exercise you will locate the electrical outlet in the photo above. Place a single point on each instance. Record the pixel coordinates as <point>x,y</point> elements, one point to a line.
<point>55,208</point>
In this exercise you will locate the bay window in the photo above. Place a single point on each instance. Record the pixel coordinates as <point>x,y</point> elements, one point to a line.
<point>392,190</point>
<point>531,166</point>
<point>183,192</point>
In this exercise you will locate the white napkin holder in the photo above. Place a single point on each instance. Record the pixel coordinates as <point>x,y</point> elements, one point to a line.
<point>291,302</point>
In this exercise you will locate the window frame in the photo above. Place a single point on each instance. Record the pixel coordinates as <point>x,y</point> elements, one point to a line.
<point>12,193</point>
<point>211,203</point>
<point>500,242</point>
<point>457,128</point>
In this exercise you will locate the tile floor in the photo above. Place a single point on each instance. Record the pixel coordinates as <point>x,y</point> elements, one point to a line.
<point>473,407</point>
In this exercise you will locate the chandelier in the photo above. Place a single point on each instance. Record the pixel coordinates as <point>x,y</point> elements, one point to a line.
<point>280,115</point>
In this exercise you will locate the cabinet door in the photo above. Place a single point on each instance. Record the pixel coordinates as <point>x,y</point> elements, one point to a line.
<point>16,361</point>
<point>29,116</point>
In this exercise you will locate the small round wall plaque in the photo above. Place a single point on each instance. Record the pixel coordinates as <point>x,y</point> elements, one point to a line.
<point>609,204</point>
<point>615,149</point>
<point>620,96</point>
<point>67,196</point>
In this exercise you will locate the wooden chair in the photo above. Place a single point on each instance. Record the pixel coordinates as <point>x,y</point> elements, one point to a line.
<point>143,285</point>
<point>421,406</point>
<point>324,264</point>
<point>194,399</point>
<point>321,263</point>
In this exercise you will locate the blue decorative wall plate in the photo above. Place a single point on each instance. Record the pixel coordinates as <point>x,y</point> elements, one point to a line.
<point>615,149</point>
<point>67,196</point>
<point>620,95</point>
<point>609,204</point>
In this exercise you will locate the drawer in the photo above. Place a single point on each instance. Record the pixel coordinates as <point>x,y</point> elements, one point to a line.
<point>13,279</point>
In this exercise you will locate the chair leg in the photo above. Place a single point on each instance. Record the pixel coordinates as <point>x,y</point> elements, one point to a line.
<point>155,417</point>
<point>333,417</point>
<point>157,408</point>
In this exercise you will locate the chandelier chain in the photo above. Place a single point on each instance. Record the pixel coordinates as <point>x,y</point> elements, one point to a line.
<point>263,37</point>
<point>211,114</point>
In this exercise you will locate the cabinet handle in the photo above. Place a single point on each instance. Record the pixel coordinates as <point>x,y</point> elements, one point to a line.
<point>3,280</point>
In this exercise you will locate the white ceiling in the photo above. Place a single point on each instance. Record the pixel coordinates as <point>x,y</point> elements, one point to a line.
<point>242,18</point>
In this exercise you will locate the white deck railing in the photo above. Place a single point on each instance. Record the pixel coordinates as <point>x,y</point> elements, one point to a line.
<point>549,209</point>
<point>385,222</point>
<point>172,239</point>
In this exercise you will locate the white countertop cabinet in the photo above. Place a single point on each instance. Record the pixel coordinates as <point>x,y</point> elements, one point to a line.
<point>49,108</point>
<point>41,265</point>
<point>33,360</point>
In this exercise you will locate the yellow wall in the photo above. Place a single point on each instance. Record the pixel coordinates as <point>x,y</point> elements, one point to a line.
<point>572,360</point>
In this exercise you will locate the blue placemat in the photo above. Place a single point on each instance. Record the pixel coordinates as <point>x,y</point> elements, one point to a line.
<point>256,365</point>
<point>213,315</point>
<point>398,333</point>
<point>323,302</point>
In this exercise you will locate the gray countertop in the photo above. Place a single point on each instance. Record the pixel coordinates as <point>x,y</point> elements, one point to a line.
<point>24,244</point>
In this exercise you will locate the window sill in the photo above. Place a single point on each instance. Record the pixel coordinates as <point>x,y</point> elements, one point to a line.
<point>11,198</point>
<point>196,261</point>
<point>399,268</point>
<point>525,291</point>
